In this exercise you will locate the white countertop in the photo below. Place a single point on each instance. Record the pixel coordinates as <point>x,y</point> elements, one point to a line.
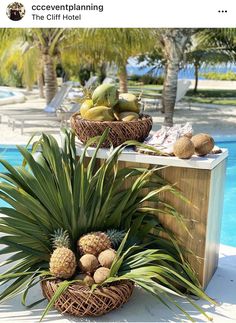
<point>208,162</point>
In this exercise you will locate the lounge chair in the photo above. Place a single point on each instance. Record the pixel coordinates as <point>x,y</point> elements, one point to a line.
<point>108,80</point>
<point>53,112</point>
<point>49,109</point>
<point>53,106</point>
<point>91,82</point>
<point>59,97</point>
<point>182,88</point>
<point>61,116</point>
<point>79,92</point>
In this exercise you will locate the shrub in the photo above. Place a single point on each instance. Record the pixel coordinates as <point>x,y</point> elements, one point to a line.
<point>147,79</point>
<point>229,76</point>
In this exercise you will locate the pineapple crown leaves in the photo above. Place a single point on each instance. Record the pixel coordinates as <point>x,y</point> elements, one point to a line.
<point>60,238</point>
<point>116,236</point>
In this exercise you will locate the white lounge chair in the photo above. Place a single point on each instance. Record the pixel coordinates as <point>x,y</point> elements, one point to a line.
<point>49,109</point>
<point>59,97</point>
<point>108,80</point>
<point>91,82</point>
<point>53,112</point>
<point>182,88</point>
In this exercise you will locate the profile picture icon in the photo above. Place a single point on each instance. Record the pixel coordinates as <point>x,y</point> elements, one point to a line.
<point>15,11</point>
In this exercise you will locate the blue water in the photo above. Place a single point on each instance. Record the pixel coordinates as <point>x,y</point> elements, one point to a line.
<point>5,94</point>
<point>228,232</point>
<point>12,155</point>
<point>185,73</point>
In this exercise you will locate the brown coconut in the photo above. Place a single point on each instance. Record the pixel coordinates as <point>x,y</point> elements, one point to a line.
<point>183,148</point>
<point>203,144</point>
<point>101,274</point>
<point>188,135</point>
<point>107,257</point>
<point>89,280</point>
<point>88,263</point>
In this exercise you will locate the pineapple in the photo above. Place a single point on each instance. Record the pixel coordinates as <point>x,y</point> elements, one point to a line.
<point>95,242</point>
<point>63,261</point>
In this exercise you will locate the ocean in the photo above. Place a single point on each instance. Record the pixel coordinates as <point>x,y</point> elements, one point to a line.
<point>185,73</point>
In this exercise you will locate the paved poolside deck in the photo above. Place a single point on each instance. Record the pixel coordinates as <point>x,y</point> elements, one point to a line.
<point>214,120</point>
<point>144,308</point>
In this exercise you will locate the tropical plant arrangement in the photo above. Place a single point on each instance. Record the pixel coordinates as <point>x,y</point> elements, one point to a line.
<point>83,231</point>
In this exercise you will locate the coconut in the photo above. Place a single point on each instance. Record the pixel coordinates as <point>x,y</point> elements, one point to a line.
<point>128,102</point>
<point>105,95</point>
<point>88,263</point>
<point>129,116</point>
<point>86,105</point>
<point>203,144</point>
<point>107,257</point>
<point>183,148</point>
<point>88,280</point>
<point>101,274</point>
<point>99,113</point>
<point>188,135</point>
<point>80,277</point>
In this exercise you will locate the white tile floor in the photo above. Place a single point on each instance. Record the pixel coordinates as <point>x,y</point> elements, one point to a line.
<point>145,308</point>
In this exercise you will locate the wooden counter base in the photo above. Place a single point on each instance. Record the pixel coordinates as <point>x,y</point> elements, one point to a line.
<point>201,181</point>
<point>205,189</point>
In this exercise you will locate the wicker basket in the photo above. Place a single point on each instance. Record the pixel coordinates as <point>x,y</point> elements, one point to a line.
<point>120,131</point>
<point>78,300</point>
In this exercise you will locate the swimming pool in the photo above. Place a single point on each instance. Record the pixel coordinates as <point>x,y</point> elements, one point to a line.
<point>5,94</point>
<point>8,97</point>
<point>228,229</point>
<point>228,236</point>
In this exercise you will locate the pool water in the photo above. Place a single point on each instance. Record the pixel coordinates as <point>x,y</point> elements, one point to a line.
<point>5,94</point>
<point>228,228</point>
<point>228,232</point>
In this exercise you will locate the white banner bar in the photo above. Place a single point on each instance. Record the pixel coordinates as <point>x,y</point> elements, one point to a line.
<point>119,13</point>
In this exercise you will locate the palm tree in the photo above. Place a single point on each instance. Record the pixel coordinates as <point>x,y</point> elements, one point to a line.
<point>223,39</point>
<point>113,45</point>
<point>199,56</point>
<point>211,46</point>
<point>23,57</point>
<point>47,42</point>
<point>174,43</point>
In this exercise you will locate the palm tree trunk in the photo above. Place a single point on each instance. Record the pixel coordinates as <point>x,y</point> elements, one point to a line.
<point>175,42</point>
<point>40,85</point>
<point>29,88</point>
<point>196,67</point>
<point>50,77</point>
<point>162,107</point>
<point>169,91</point>
<point>122,74</point>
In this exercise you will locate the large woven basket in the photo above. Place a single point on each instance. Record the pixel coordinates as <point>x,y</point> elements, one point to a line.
<point>120,131</point>
<point>78,300</point>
